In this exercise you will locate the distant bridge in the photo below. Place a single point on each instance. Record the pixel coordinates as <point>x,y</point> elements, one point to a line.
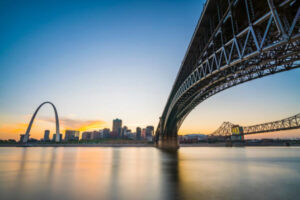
<point>235,41</point>
<point>227,128</point>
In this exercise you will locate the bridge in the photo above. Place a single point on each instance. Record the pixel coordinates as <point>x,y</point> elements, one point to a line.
<point>227,129</point>
<point>235,41</point>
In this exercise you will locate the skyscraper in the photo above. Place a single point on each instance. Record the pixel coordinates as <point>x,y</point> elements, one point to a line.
<point>138,133</point>
<point>117,127</point>
<point>46,135</point>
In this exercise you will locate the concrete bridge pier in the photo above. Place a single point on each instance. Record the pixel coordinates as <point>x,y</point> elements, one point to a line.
<point>170,143</point>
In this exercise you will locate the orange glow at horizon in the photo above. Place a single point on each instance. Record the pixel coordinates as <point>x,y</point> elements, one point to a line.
<point>93,125</point>
<point>13,130</point>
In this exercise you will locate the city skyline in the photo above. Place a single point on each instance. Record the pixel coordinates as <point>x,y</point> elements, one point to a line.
<point>117,131</point>
<point>76,58</point>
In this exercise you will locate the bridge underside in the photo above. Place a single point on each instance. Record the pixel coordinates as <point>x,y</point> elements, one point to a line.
<point>234,42</point>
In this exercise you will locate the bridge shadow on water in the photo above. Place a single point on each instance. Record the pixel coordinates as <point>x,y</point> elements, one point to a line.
<point>170,174</point>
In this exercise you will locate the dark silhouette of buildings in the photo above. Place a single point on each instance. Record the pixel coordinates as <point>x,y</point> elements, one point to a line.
<point>138,133</point>
<point>117,127</point>
<point>47,135</point>
<point>71,135</point>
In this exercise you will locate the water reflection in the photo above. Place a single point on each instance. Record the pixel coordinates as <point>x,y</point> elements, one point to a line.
<point>170,174</point>
<point>148,173</point>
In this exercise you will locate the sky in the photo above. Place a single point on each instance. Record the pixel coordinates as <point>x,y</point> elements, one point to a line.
<point>100,60</point>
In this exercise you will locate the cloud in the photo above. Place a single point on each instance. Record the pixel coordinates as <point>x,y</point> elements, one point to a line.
<point>76,124</point>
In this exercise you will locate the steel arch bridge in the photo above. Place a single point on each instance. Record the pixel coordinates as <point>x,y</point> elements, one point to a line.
<point>235,41</point>
<point>225,130</point>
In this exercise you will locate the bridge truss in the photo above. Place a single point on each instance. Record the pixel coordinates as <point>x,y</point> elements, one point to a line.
<point>235,41</point>
<point>285,124</point>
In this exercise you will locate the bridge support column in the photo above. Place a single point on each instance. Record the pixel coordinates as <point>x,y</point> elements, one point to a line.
<point>168,143</point>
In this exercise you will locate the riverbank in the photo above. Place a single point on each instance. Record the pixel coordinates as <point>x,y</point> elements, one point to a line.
<point>76,145</point>
<point>237,145</point>
<point>145,145</point>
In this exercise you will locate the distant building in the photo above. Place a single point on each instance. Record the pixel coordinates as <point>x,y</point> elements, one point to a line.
<point>87,135</point>
<point>117,127</point>
<point>138,133</point>
<point>192,138</point>
<point>106,132</point>
<point>131,135</point>
<point>96,135</point>
<point>47,135</point>
<point>71,135</point>
<point>149,133</point>
<point>124,131</point>
<point>143,133</point>
<point>113,134</point>
<point>91,135</point>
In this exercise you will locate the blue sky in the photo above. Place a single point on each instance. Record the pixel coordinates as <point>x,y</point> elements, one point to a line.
<point>99,60</point>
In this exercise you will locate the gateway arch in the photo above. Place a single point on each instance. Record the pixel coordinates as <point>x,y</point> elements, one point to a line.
<point>57,134</point>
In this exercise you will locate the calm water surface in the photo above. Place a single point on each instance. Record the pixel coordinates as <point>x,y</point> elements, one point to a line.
<point>148,173</point>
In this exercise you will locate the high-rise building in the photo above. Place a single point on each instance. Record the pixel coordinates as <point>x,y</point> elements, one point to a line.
<point>138,133</point>
<point>71,135</point>
<point>149,133</point>
<point>117,127</point>
<point>46,135</point>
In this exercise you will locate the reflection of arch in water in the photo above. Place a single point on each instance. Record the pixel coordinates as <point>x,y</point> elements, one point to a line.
<point>57,134</point>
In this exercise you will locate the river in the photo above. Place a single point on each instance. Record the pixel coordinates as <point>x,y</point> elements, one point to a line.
<point>87,173</point>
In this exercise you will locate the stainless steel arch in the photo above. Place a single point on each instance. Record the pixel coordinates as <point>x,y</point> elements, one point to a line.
<point>57,138</point>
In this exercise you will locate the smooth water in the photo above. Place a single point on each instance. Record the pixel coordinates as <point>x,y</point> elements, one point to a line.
<point>148,173</point>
